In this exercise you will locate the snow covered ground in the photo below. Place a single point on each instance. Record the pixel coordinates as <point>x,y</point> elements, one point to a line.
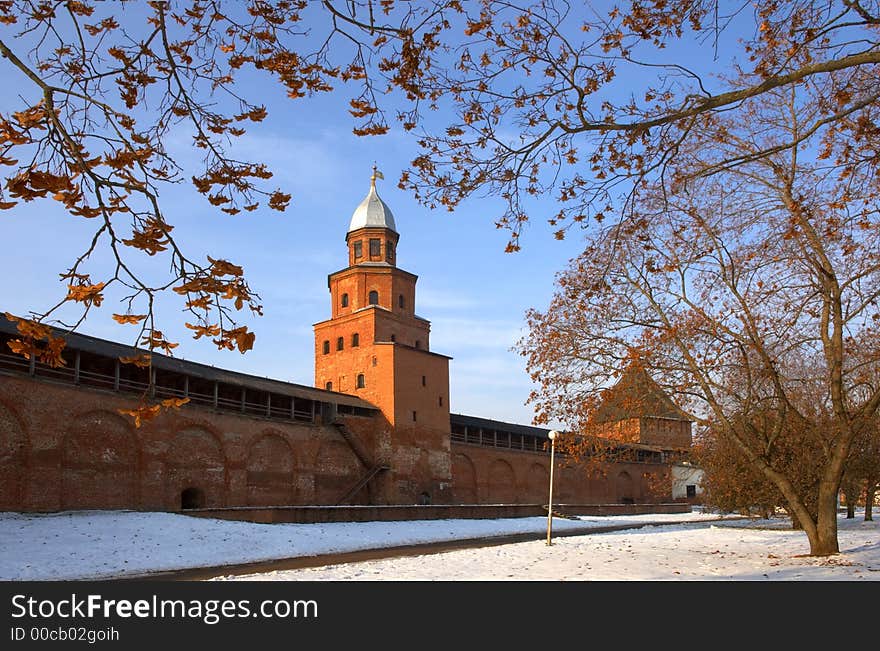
<point>747,551</point>
<point>98,544</point>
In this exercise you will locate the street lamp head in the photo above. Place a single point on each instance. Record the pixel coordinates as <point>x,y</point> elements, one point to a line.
<point>553,434</point>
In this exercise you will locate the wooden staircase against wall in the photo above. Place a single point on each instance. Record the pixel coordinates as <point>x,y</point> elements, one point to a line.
<point>372,469</point>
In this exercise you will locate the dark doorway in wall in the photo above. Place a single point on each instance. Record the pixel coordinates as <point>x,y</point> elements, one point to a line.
<point>425,498</point>
<point>691,491</point>
<point>192,498</point>
<point>625,491</point>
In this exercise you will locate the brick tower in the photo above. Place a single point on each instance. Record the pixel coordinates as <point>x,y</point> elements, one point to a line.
<point>374,346</point>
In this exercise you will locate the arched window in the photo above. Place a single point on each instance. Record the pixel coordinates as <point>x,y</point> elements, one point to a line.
<point>344,300</point>
<point>327,347</point>
<point>374,297</point>
<point>401,302</point>
<point>355,340</point>
<point>329,386</point>
<point>361,382</point>
<point>340,343</point>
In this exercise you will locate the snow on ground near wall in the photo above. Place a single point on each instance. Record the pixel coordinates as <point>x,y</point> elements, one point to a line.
<point>99,544</point>
<point>102,544</point>
<point>729,551</point>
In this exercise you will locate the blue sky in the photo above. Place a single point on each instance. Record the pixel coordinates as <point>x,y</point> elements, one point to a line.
<point>474,294</point>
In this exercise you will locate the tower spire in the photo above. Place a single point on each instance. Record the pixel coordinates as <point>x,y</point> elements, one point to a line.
<point>372,211</point>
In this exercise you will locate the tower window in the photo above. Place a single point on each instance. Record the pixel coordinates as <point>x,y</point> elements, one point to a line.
<point>375,248</point>
<point>327,347</point>
<point>440,401</point>
<point>340,343</point>
<point>393,338</point>
<point>374,297</point>
<point>344,300</point>
<point>361,382</point>
<point>329,386</point>
<point>418,344</point>
<point>415,416</point>
<point>401,302</point>
<point>424,381</point>
<point>358,250</point>
<point>389,251</point>
<point>355,340</point>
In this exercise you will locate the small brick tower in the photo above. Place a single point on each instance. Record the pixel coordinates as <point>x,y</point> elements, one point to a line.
<point>375,347</point>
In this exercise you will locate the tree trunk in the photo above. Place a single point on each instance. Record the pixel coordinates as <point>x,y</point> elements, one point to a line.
<point>850,495</point>
<point>869,502</point>
<point>820,524</point>
<point>823,540</point>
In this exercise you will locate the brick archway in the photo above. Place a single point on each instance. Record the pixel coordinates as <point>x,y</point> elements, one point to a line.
<point>537,484</point>
<point>13,457</point>
<point>270,472</point>
<point>336,471</point>
<point>464,480</point>
<point>195,461</point>
<point>99,463</point>
<point>502,483</point>
<point>625,488</point>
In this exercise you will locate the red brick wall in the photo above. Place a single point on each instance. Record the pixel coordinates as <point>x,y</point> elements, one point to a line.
<point>373,324</point>
<point>485,475</point>
<point>417,451</point>
<point>363,235</point>
<point>666,432</point>
<point>661,432</point>
<point>429,400</point>
<point>63,447</point>
<point>627,431</point>
<point>420,463</point>
<point>388,282</point>
<point>342,367</point>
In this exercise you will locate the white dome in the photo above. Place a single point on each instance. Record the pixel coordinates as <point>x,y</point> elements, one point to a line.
<point>372,213</point>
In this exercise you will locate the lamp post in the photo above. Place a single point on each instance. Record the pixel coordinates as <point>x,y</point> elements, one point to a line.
<point>553,434</point>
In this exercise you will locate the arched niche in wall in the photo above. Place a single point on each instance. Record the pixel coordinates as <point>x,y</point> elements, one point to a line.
<point>538,484</point>
<point>195,462</point>
<point>99,462</point>
<point>270,472</point>
<point>464,480</point>
<point>625,489</point>
<point>336,471</point>
<point>13,457</point>
<point>502,483</point>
